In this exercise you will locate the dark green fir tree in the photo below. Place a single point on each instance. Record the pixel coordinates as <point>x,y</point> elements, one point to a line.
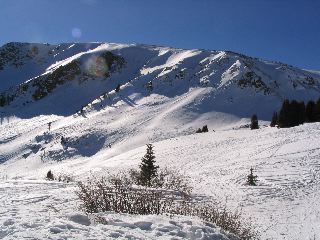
<point>254,122</point>
<point>252,179</point>
<point>148,169</point>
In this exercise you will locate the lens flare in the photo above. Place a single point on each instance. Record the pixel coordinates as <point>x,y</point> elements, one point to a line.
<point>97,66</point>
<point>76,32</point>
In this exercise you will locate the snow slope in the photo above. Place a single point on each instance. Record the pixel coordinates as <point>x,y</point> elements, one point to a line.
<point>284,205</point>
<point>190,88</point>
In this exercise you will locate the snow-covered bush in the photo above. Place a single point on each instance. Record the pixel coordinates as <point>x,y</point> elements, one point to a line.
<point>174,180</point>
<point>117,193</point>
<point>220,216</point>
<point>166,179</point>
<point>65,177</point>
<point>114,194</point>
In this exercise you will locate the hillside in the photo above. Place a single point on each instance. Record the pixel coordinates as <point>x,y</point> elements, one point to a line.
<point>164,95</point>
<point>33,76</point>
<point>284,205</point>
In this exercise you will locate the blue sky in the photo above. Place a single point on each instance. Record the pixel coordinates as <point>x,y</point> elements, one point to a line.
<point>282,30</point>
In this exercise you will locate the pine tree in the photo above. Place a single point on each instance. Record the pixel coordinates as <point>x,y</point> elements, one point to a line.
<point>254,122</point>
<point>318,110</point>
<point>283,115</point>
<point>252,179</point>
<point>274,120</point>
<point>148,169</point>
<point>302,113</point>
<point>311,115</point>
<point>205,128</point>
<point>50,175</point>
<point>293,113</point>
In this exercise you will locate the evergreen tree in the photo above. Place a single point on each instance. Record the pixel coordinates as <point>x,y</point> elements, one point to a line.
<point>50,175</point>
<point>296,113</point>
<point>205,128</point>
<point>252,179</point>
<point>318,110</point>
<point>254,122</point>
<point>148,169</point>
<point>311,114</point>
<point>199,130</point>
<point>302,113</point>
<point>292,114</point>
<point>283,114</point>
<point>274,120</point>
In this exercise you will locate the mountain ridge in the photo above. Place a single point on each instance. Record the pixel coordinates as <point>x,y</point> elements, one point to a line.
<point>31,72</point>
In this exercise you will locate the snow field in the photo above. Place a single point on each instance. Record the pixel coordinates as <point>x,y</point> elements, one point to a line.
<point>284,205</point>
<point>38,209</point>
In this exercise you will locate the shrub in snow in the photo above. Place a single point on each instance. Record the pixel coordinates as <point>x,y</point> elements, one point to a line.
<point>220,216</point>
<point>254,122</point>
<point>65,177</point>
<point>252,179</point>
<point>148,169</point>
<point>116,193</point>
<point>152,191</point>
<point>173,180</point>
<point>166,179</point>
<point>50,175</point>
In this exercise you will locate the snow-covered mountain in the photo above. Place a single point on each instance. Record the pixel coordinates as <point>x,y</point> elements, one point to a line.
<point>34,76</point>
<point>165,94</point>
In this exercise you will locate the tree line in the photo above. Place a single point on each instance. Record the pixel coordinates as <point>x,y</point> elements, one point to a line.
<point>293,113</point>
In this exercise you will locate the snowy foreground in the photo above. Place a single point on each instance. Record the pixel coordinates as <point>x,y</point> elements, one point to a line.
<point>284,205</point>
<point>42,210</point>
